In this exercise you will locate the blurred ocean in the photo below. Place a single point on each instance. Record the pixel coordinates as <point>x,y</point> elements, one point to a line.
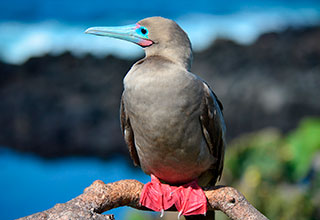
<point>30,184</point>
<point>36,27</point>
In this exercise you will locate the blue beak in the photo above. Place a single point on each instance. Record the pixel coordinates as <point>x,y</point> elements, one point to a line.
<point>130,33</point>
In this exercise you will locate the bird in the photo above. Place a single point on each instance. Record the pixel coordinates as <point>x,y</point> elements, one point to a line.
<point>171,119</point>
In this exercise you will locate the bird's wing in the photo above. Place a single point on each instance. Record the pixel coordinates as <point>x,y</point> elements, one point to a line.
<point>127,133</point>
<point>213,128</point>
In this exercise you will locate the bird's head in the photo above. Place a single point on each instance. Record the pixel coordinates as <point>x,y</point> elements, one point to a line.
<point>157,35</point>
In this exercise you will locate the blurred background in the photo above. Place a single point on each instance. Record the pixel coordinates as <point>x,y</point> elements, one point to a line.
<point>60,91</point>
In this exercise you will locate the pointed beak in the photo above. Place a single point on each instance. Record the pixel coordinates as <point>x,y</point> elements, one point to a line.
<point>129,33</point>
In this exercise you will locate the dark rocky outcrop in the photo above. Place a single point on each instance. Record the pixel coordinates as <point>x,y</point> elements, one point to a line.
<point>273,82</point>
<point>64,105</point>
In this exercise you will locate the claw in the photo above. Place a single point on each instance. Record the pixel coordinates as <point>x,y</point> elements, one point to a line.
<point>162,213</point>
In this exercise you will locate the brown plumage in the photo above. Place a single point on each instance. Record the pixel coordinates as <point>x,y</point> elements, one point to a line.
<point>171,120</point>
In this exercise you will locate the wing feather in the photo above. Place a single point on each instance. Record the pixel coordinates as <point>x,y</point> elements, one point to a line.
<point>127,133</point>
<point>213,127</point>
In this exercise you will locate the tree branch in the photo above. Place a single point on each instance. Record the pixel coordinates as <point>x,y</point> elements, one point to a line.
<point>100,197</point>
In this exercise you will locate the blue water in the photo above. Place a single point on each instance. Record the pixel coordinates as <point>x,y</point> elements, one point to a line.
<point>36,27</point>
<point>30,184</point>
<point>118,11</point>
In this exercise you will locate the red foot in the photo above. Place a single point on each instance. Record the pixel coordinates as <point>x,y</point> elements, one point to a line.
<point>189,199</point>
<point>156,195</point>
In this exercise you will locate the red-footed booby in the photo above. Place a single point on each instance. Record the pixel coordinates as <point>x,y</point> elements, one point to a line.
<point>171,120</point>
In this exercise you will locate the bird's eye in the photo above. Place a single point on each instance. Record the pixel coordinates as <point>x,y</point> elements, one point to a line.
<point>143,31</point>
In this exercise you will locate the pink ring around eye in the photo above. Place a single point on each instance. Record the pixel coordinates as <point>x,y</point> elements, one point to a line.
<point>145,43</point>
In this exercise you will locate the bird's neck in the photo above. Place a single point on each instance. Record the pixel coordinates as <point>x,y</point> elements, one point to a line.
<point>180,56</point>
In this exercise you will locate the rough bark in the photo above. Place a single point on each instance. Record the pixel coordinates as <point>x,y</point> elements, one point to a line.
<point>100,197</point>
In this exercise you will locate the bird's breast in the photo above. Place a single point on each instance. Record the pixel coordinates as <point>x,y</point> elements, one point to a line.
<point>164,114</point>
